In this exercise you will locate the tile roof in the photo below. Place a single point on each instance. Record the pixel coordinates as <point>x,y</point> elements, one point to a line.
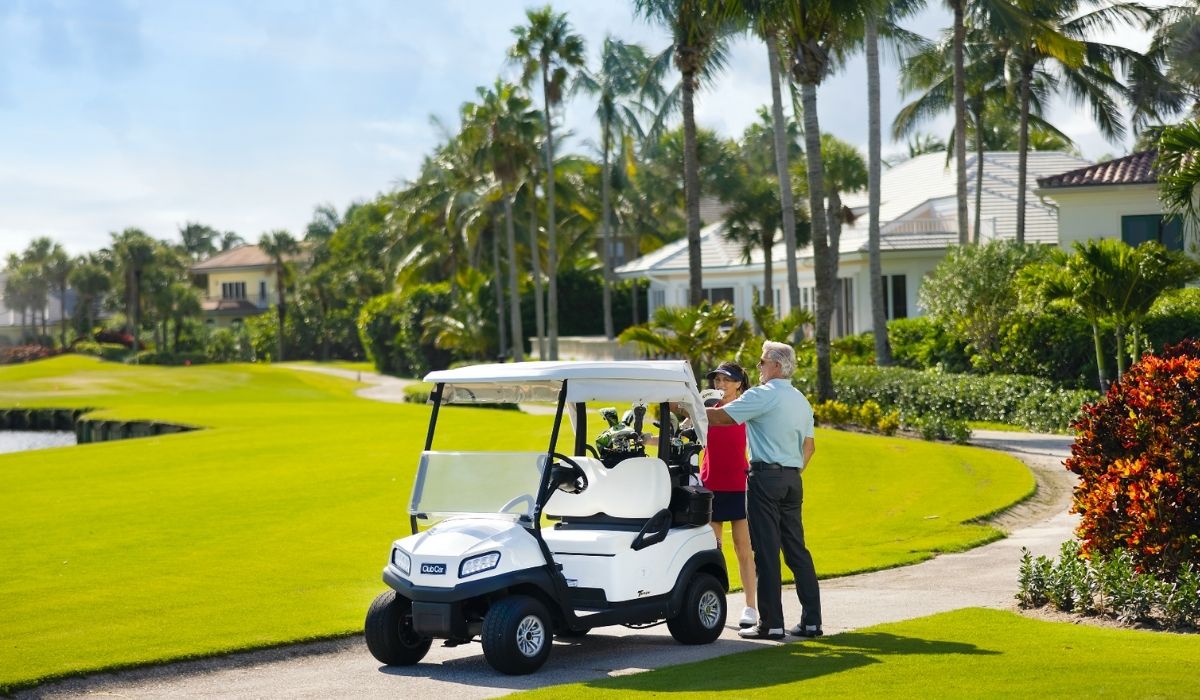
<point>244,256</point>
<point>1133,169</point>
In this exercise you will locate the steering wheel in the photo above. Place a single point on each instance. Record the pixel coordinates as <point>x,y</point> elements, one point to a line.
<point>523,498</point>
<point>589,448</point>
<point>581,480</point>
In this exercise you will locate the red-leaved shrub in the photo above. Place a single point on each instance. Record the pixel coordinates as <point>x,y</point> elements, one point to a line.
<point>1137,453</point>
<point>17,354</point>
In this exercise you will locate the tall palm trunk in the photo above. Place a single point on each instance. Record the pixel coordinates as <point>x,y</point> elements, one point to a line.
<point>514,291</point>
<point>960,121</point>
<point>552,235</point>
<point>691,190</point>
<point>977,109</point>
<point>1099,356</point>
<point>535,254</point>
<point>280,309</point>
<point>498,293</point>
<point>633,287</point>
<point>782,172</point>
<point>883,349</point>
<point>1023,148</point>
<point>1121,359</point>
<point>823,265</point>
<point>768,245</point>
<point>607,235</point>
<point>834,215</point>
<point>135,304</point>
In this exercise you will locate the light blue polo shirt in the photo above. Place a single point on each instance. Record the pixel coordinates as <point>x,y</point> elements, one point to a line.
<point>778,418</point>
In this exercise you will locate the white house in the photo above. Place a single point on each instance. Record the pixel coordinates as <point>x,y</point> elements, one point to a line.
<point>917,225</point>
<point>1114,199</point>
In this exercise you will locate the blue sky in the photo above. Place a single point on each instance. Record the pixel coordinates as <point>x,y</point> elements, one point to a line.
<point>246,115</point>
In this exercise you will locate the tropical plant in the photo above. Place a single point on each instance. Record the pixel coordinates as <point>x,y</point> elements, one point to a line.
<point>703,334</point>
<point>547,48</point>
<point>1178,168</point>
<point>281,247</point>
<point>199,241</point>
<point>57,270</point>
<point>464,328</point>
<point>90,279</point>
<point>698,29</point>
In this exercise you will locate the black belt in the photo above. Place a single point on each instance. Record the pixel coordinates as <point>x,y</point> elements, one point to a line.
<point>767,466</point>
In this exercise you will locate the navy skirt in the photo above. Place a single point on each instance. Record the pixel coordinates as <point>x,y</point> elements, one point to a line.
<point>729,506</point>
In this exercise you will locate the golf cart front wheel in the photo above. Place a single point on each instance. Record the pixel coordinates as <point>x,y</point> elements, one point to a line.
<point>517,635</point>
<point>702,617</point>
<point>389,631</point>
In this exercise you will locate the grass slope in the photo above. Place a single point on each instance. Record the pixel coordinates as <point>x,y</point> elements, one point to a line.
<point>970,653</point>
<point>272,524</point>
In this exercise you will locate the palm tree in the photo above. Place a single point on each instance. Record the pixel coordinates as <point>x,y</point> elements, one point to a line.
<point>548,48</point>
<point>464,328</point>
<point>133,252</point>
<point>502,127</point>
<point>818,35</point>
<point>1167,78</point>
<point>697,29</point>
<point>618,84</point>
<point>57,269</point>
<point>281,247</point>
<point>1055,32</point>
<point>231,240</point>
<point>529,190</point>
<point>701,334</point>
<point>198,240</point>
<point>1178,169</point>
<point>90,280</point>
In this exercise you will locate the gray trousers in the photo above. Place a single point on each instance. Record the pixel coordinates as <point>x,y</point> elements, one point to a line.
<point>773,500</point>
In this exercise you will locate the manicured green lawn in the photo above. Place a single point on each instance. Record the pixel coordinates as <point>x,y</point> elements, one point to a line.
<point>272,525</point>
<point>972,653</point>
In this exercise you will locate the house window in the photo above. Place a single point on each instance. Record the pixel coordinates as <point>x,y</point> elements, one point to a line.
<point>262,291</point>
<point>658,298</point>
<point>843,312</point>
<point>895,296</point>
<point>718,294</point>
<point>1136,230</point>
<point>233,290</point>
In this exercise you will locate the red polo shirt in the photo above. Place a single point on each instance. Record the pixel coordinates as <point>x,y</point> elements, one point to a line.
<point>724,464</point>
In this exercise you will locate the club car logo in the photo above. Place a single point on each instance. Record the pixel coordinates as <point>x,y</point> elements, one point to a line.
<point>433,568</point>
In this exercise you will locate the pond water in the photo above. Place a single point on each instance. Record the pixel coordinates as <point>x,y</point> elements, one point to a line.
<point>21,440</point>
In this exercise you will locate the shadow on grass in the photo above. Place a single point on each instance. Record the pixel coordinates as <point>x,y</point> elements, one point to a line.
<point>788,663</point>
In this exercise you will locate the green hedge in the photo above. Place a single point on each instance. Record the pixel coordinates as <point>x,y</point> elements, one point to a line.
<point>1030,402</point>
<point>114,352</point>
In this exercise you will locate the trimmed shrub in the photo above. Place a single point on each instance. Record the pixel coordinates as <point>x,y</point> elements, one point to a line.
<point>869,415</point>
<point>833,413</point>
<point>391,328</point>
<point>417,392</point>
<point>919,343</point>
<point>1136,456</point>
<point>155,357</point>
<point>998,398</point>
<point>113,352</point>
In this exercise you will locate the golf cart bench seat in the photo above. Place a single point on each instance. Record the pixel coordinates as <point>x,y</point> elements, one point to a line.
<point>638,487</point>
<point>590,542</point>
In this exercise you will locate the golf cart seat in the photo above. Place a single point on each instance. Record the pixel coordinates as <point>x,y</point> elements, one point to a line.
<point>629,493</point>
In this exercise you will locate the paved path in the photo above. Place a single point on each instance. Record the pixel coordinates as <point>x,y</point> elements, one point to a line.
<point>380,387</point>
<point>983,577</point>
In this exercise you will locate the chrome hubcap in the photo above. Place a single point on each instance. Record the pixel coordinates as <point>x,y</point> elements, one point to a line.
<point>531,636</point>
<point>710,609</point>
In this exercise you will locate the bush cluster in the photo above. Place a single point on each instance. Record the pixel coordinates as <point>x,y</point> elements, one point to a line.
<point>391,329</point>
<point>1136,454</point>
<point>1111,585</point>
<point>113,352</point>
<point>160,357</point>
<point>16,354</point>
<point>869,416</point>
<point>1024,401</point>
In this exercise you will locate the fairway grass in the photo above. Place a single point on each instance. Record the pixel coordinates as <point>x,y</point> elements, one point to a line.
<point>272,524</point>
<point>970,653</point>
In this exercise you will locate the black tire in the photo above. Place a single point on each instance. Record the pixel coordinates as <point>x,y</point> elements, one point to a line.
<point>389,633</point>
<point>702,617</point>
<point>517,635</point>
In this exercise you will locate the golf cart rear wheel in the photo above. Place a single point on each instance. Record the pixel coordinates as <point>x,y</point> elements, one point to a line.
<point>703,615</point>
<point>389,631</point>
<point>517,635</point>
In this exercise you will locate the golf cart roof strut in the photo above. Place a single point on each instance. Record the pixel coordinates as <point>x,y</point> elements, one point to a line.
<point>436,397</point>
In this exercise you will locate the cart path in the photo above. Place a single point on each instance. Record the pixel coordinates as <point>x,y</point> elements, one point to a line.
<point>982,577</point>
<point>380,387</point>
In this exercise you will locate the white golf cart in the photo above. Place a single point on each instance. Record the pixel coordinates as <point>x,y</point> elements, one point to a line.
<point>627,540</point>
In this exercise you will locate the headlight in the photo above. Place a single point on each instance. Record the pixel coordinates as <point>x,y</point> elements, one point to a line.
<point>478,564</point>
<point>402,561</point>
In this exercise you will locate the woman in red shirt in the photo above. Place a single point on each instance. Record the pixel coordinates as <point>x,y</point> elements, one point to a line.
<point>723,471</point>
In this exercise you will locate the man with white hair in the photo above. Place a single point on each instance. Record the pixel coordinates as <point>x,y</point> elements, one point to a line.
<point>779,429</point>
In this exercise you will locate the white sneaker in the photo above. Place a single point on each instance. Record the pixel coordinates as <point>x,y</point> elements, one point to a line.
<point>749,618</point>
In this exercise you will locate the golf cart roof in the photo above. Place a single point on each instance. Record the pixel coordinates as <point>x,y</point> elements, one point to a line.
<point>643,381</point>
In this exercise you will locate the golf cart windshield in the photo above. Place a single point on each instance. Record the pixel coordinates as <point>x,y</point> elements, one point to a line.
<point>456,483</point>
